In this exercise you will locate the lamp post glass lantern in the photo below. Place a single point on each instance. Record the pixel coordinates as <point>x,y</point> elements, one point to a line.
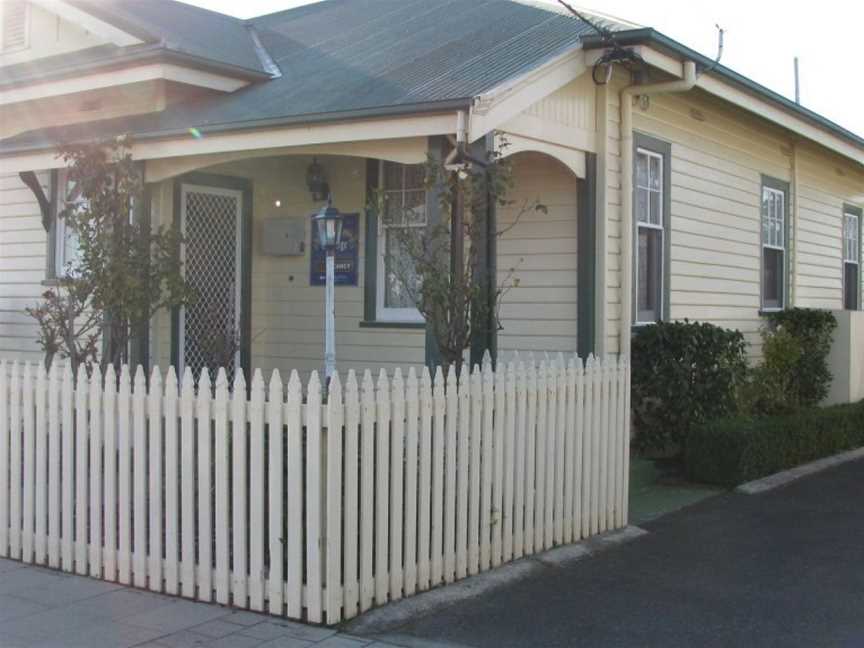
<point>329,223</point>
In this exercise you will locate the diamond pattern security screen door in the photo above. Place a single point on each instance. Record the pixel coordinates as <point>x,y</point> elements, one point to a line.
<point>210,325</point>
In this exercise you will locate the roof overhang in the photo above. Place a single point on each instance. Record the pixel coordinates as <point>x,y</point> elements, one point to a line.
<point>119,77</point>
<point>667,54</point>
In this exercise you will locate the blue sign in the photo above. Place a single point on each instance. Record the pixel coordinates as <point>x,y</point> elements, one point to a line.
<point>346,256</point>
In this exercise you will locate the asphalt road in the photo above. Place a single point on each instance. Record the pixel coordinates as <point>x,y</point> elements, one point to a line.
<point>785,568</point>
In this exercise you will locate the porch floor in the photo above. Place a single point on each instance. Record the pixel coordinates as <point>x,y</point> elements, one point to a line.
<point>51,609</point>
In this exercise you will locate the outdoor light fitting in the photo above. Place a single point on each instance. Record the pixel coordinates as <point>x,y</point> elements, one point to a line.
<point>316,181</point>
<point>329,221</point>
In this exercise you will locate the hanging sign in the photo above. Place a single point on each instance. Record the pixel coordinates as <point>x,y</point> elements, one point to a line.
<point>346,256</point>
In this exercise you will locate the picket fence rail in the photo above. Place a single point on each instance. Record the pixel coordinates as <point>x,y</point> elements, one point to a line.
<point>383,490</point>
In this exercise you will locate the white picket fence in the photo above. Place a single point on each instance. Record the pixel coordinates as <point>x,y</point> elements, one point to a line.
<point>386,489</point>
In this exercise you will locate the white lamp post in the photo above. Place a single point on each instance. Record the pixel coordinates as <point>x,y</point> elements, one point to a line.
<point>329,223</point>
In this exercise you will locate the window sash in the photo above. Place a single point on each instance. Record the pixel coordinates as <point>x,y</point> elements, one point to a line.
<point>649,187</point>
<point>774,242</point>
<point>650,279</point>
<point>851,238</point>
<point>851,286</point>
<point>410,193</point>
<point>65,240</point>
<point>773,285</point>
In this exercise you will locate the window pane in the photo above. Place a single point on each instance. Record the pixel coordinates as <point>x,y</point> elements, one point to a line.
<point>392,176</point>
<point>398,269</point>
<point>851,286</point>
<point>772,278</point>
<point>643,206</point>
<point>641,170</point>
<point>650,275</point>
<point>415,175</point>
<point>656,173</point>
<point>656,208</point>
<point>415,207</point>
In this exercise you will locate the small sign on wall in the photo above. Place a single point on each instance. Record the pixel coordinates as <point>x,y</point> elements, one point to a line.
<point>347,256</point>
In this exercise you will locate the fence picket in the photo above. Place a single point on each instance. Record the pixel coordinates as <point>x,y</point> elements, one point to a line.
<point>412,469</point>
<point>139,478</point>
<point>367,492</point>
<point>41,476</point>
<point>335,420</point>
<point>187,484</point>
<point>520,404</point>
<point>54,467</point>
<point>487,460</point>
<point>424,505</point>
<point>275,481</point>
<point>155,487</point>
<point>16,447</point>
<point>96,472</point>
<point>172,477</point>
<point>390,488</point>
<point>68,477</point>
<point>439,485</point>
<point>625,430</point>
<point>221,459</point>
<point>239,492</point>
<point>124,479</point>
<point>29,437</point>
<point>397,471</point>
<point>351,597</point>
<point>257,441</point>
<point>382,492</point>
<point>109,496</point>
<point>314,578</point>
<point>530,456</point>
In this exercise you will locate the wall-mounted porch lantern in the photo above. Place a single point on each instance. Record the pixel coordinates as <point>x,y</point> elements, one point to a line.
<point>316,181</point>
<point>329,223</point>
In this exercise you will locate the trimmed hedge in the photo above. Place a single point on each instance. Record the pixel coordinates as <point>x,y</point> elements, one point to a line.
<point>732,451</point>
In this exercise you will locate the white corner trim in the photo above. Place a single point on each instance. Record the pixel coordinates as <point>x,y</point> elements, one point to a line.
<point>787,476</point>
<point>136,74</point>
<point>88,21</point>
<point>503,102</point>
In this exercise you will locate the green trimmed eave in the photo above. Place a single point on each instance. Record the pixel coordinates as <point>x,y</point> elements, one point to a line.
<point>650,36</point>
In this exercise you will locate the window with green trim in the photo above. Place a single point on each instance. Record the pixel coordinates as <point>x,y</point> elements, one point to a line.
<point>851,261</point>
<point>774,220</point>
<point>404,195</point>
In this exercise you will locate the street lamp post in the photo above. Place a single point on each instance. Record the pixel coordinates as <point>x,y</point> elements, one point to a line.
<point>329,223</point>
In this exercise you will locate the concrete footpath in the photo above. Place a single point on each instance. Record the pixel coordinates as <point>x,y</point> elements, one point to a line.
<point>49,609</point>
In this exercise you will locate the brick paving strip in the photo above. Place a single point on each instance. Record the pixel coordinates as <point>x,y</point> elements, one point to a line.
<point>42,608</point>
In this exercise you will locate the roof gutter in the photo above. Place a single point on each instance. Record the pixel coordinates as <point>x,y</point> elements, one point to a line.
<point>648,36</point>
<point>685,83</point>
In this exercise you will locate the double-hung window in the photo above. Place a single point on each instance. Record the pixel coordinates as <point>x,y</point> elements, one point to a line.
<point>65,241</point>
<point>774,244</point>
<point>404,213</point>
<point>851,260</point>
<point>649,206</point>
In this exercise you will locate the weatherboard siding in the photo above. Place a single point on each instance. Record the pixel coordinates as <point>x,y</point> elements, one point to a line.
<point>23,247</point>
<point>537,259</point>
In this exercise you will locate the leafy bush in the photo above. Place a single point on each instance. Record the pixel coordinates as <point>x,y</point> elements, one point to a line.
<point>810,379</point>
<point>771,388</point>
<point>684,373</point>
<point>735,450</point>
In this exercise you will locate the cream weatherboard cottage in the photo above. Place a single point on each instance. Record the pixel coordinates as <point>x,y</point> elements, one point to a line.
<point>693,192</point>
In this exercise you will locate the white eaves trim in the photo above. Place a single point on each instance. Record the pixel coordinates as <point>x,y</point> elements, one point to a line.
<point>754,104</point>
<point>503,102</point>
<point>136,74</point>
<point>89,22</point>
<point>261,139</point>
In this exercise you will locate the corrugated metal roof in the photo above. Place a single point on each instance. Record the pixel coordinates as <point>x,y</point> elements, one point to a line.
<point>352,56</point>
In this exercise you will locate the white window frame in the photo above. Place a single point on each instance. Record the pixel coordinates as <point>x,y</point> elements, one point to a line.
<point>640,224</point>
<point>60,227</point>
<point>17,48</point>
<point>852,252</point>
<point>384,313</point>
<point>772,245</point>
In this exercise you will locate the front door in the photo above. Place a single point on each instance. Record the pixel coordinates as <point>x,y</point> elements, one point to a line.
<point>210,326</point>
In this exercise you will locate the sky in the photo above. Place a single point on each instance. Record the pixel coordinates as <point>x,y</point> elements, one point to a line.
<point>762,39</point>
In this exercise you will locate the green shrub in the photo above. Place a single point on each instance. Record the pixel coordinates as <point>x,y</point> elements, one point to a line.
<point>735,450</point>
<point>684,373</point>
<point>810,380</point>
